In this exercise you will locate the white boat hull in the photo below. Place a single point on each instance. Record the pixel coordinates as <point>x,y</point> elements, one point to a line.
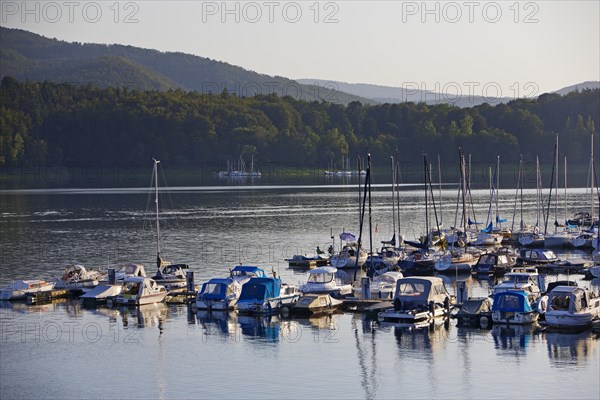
<point>21,294</point>
<point>267,306</point>
<point>517,318</point>
<point>565,319</point>
<point>217,305</point>
<point>347,262</point>
<point>134,300</point>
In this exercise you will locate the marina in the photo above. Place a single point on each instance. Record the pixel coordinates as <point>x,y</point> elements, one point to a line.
<point>373,360</point>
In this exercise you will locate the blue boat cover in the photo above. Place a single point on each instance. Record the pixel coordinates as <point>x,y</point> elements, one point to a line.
<point>347,237</point>
<point>218,292</point>
<point>260,289</point>
<point>500,220</point>
<point>511,302</point>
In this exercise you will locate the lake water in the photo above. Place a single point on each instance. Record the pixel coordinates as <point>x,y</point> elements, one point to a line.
<point>62,350</point>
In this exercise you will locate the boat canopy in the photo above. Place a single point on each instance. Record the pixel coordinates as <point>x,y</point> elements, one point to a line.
<point>132,269</point>
<point>260,289</point>
<point>420,290</point>
<point>247,270</point>
<point>511,302</point>
<point>567,298</point>
<point>216,288</point>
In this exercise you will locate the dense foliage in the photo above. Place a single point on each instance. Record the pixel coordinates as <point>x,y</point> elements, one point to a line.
<point>63,123</point>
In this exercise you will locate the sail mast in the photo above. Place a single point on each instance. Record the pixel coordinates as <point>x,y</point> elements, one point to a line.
<point>393,199</point>
<point>155,173</point>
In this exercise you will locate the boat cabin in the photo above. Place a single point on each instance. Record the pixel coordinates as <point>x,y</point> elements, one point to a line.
<point>420,291</point>
<point>247,271</point>
<point>536,256</point>
<point>568,298</point>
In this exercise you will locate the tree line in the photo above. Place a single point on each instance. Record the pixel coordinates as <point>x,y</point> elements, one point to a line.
<point>43,122</point>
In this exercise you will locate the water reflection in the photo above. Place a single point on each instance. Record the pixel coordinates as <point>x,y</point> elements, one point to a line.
<point>220,323</point>
<point>514,339</point>
<point>366,354</point>
<point>146,316</point>
<point>571,349</point>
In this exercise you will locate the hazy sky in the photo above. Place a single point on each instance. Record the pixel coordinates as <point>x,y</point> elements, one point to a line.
<point>482,47</point>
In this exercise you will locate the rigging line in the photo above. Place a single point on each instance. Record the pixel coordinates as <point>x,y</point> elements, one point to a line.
<point>169,196</point>
<point>146,212</point>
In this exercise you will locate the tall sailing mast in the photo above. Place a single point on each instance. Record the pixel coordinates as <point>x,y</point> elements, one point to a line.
<point>155,178</point>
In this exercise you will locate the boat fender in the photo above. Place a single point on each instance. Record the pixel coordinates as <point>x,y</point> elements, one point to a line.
<point>484,322</point>
<point>397,304</point>
<point>109,303</point>
<point>542,305</point>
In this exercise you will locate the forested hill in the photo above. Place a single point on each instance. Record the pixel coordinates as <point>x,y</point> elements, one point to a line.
<point>28,56</point>
<point>67,124</point>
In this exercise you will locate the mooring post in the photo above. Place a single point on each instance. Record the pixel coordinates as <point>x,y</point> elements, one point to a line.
<point>112,276</point>
<point>461,292</point>
<point>365,285</point>
<point>189,277</point>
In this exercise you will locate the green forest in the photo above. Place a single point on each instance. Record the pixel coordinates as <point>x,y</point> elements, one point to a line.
<point>43,123</point>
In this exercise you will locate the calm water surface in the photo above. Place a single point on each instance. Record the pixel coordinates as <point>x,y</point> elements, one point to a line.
<point>62,350</point>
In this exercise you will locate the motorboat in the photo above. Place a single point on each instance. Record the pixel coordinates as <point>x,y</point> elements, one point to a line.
<point>127,270</point>
<point>266,296</point>
<point>523,279</point>
<point>171,276</point>
<point>223,293</point>
<point>324,280</point>
<point>418,299</point>
<point>139,291</point>
<point>385,260</point>
<point>494,263</point>
<point>515,307</point>
<point>19,290</point>
<point>349,256</point>
<point>475,312</point>
<point>77,277</point>
<point>546,259</point>
<point>315,304</point>
<point>572,307</point>
<point>219,294</point>
<point>382,287</point>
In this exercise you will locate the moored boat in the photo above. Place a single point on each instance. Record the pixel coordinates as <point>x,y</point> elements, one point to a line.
<point>19,290</point>
<point>266,296</point>
<point>324,280</point>
<point>77,277</point>
<point>315,304</point>
<point>139,291</point>
<point>515,307</point>
<point>418,299</point>
<point>572,307</point>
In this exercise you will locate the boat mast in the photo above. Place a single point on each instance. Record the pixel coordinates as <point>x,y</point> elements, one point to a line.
<point>393,199</point>
<point>497,184</point>
<point>440,189</point>
<point>565,190</point>
<point>155,173</point>
<point>397,172</point>
<point>592,178</point>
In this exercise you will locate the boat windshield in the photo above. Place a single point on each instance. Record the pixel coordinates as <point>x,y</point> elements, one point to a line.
<point>516,278</point>
<point>131,288</point>
<point>549,254</point>
<point>487,259</point>
<point>128,269</point>
<point>412,289</point>
<point>508,301</point>
<point>320,278</point>
<point>216,289</point>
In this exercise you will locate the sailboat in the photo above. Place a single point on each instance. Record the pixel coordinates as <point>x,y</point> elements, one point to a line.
<point>588,238</point>
<point>171,276</point>
<point>533,237</point>
<point>560,238</point>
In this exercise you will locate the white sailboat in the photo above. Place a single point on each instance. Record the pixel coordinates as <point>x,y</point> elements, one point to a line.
<point>172,276</point>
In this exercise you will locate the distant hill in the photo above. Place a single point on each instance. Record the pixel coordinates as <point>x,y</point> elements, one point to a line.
<point>579,87</point>
<point>391,94</point>
<point>28,56</point>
